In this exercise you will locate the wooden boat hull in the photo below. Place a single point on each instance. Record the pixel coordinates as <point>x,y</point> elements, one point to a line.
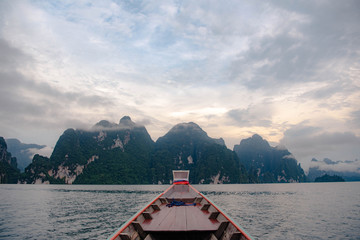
<point>197,218</point>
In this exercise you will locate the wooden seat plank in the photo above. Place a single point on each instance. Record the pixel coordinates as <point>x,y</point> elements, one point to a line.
<point>197,219</point>
<point>181,218</point>
<point>158,222</point>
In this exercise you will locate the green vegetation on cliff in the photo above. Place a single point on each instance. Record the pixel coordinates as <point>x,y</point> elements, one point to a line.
<point>107,154</point>
<point>187,146</point>
<point>328,178</point>
<point>266,164</point>
<point>9,173</point>
<point>124,153</point>
<point>38,171</point>
<point>120,156</point>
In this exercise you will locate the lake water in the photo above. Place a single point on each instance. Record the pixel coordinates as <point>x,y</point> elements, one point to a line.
<point>266,211</point>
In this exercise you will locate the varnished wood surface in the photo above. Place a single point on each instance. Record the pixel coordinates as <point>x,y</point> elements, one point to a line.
<point>180,218</point>
<point>202,221</point>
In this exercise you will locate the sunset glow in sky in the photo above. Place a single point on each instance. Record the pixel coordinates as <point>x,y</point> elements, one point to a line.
<point>287,70</point>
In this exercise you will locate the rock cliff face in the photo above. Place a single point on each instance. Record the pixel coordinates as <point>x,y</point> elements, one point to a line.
<point>67,174</point>
<point>39,172</point>
<point>187,146</point>
<point>108,153</point>
<point>268,164</point>
<point>8,165</point>
<point>124,153</point>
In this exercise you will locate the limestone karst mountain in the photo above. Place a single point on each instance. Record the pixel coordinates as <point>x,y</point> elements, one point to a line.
<point>124,153</point>
<point>268,164</point>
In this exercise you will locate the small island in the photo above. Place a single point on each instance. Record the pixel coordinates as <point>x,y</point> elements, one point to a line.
<point>328,178</point>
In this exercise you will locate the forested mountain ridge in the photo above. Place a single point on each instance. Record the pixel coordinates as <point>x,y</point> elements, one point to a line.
<point>187,146</point>
<point>109,153</point>
<point>9,173</point>
<point>268,164</point>
<point>329,178</point>
<point>124,153</point>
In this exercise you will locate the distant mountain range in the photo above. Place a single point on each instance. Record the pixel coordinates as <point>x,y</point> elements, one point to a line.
<point>328,178</point>
<point>332,168</point>
<point>124,153</point>
<point>23,152</point>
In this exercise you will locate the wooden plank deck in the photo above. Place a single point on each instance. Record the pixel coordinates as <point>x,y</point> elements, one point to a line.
<point>180,218</point>
<point>181,195</point>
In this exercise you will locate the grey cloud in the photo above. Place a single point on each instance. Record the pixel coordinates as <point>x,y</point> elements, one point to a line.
<point>144,122</point>
<point>325,13</point>
<point>13,102</point>
<point>23,98</point>
<point>338,91</point>
<point>42,96</point>
<point>316,137</point>
<point>45,151</point>
<point>302,130</point>
<point>350,166</point>
<point>355,119</point>
<point>94,100</point>
<point>14,82</point>
<point>307,142</point>
<point>258,115</point>
<point>330,162</point>
<point>290,59</point>
<point>73,121</point>
<point>323,93</point>
<point>10,57</point>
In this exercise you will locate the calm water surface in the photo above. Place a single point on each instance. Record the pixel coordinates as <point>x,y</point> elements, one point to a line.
<point>266,211</point>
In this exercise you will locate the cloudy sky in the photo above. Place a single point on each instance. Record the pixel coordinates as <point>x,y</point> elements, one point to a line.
<point>287,70</point>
